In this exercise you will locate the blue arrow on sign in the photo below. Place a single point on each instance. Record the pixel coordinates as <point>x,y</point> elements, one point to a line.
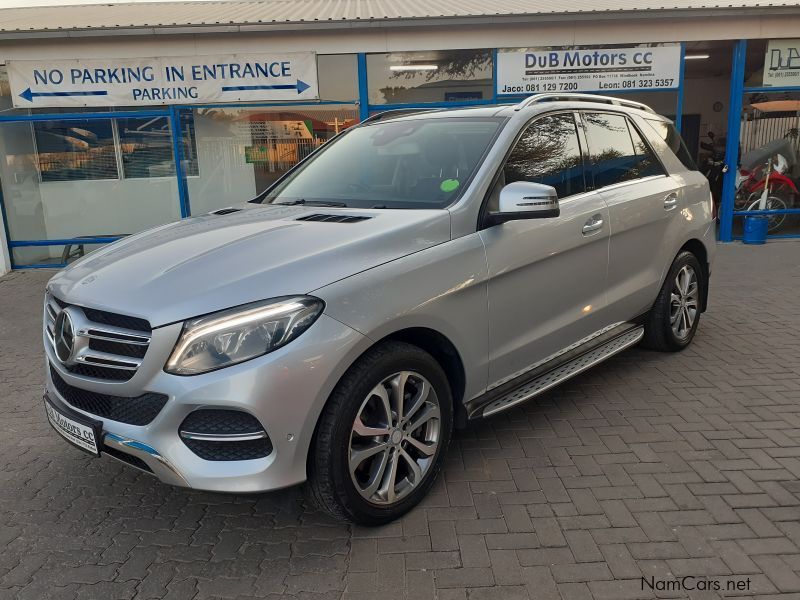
<point>300,86</point>
<point>29,95</point>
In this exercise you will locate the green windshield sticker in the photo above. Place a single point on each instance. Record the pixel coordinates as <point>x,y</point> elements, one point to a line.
<point>449,185</point>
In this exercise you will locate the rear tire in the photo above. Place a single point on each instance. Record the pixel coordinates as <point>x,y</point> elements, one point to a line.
<point>672,322</point>
<point>377,451</point>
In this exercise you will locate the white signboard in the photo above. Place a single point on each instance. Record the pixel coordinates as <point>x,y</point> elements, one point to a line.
<point>782,63</point>
<point>531,71</point>
<point>166,80</point>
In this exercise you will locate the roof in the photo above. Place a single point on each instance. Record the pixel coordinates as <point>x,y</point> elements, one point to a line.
<point>278,13</point>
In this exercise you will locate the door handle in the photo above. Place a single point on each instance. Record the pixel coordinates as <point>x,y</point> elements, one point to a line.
<point>670,202</point>
<point>593,225</point>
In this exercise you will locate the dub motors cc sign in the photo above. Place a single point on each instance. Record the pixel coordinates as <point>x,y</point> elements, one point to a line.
<point>531,71</point>
<point>164,80</point>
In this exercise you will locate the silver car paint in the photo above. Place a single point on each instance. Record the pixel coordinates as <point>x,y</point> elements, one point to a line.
<point>401,269</point>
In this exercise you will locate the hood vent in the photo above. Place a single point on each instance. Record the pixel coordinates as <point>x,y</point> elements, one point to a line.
<point>225,211</point>
<point>333,218</point>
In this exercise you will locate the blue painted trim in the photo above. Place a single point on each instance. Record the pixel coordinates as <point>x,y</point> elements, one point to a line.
<point>41,266</point>
<point>453,104</point>
<point>787,88</point>
<point>755,213</point>
<point>681,79</point>
<point>64,241</point>
<point>363,87</point>
<point>84,116</point>
<point>732,143</point>
<point>177,156</point>
<point>266,104</point>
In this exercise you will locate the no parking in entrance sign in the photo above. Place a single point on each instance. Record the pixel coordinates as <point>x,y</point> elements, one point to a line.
<point>165,80</point>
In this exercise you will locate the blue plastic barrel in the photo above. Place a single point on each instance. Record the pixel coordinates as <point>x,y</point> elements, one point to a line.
<point>755,229</point>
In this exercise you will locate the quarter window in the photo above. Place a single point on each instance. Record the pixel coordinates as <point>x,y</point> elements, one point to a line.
<point>548,152</point>
<point>617,153</point>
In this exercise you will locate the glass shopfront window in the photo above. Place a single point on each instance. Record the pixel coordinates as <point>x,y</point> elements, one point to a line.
<point>63,180</point>
<point>242,151</point>
<point>434,76</point>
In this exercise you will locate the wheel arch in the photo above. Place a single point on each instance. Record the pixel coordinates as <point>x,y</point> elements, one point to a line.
<point>698,248</point>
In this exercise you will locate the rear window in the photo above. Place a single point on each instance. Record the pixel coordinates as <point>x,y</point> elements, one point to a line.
<point>675,142</point>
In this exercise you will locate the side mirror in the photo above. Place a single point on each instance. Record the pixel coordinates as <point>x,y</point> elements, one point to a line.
<point>526,200</point>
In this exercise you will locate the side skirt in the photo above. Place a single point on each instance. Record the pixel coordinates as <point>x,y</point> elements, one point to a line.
<point>556,371</point>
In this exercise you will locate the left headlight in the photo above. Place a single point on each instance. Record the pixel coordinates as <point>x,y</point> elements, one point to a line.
<point>238,334</point>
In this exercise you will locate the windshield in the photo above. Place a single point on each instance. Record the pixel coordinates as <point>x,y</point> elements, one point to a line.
<point>421,163</point>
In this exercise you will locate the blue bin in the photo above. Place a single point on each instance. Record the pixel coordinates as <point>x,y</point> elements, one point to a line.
<point>755,229</point>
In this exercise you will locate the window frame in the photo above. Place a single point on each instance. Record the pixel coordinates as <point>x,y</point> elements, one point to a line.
<point>631,123</point>
<point>483,213</point>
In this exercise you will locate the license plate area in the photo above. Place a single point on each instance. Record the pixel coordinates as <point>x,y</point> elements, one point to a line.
<point>80,431</point>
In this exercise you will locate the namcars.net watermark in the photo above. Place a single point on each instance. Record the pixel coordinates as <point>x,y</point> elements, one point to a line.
<point>693,583</point>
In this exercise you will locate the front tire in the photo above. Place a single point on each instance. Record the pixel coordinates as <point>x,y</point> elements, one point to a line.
<point>672,322</point>
<point>382,436</point>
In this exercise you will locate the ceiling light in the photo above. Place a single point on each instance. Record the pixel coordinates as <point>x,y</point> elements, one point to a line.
<point>697,56</point>
<point>413,67</point>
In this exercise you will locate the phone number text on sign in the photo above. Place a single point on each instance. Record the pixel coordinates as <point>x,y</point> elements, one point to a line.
<point>527,71</point>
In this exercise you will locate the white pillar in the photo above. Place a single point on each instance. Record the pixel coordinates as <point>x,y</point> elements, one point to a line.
<point>5,258</point>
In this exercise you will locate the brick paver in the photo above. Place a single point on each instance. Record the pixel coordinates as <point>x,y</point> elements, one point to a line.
<point>651,465</point>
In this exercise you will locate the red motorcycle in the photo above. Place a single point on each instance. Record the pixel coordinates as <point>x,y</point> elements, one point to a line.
<point>782,191</point>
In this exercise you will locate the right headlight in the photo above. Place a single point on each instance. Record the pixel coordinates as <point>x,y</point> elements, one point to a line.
<point>232,336</point>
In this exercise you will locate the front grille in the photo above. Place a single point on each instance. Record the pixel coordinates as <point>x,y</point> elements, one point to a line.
<point>117,344</point>
<point>218,451</point>
<point>140,410</point>
<point>121,348</point>
<point>129,459</point>
<point>220,423</point>
<point>124,321</point>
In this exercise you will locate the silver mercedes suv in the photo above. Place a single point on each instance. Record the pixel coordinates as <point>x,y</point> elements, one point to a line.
<point>420,270</point>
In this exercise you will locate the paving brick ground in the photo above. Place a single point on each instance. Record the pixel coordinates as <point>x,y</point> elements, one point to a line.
<point>650,465</point>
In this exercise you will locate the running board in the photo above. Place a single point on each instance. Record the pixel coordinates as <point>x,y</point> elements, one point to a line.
<point>562,373</point>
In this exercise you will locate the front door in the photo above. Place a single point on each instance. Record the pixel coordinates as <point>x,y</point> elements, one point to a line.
<point>547,277</point>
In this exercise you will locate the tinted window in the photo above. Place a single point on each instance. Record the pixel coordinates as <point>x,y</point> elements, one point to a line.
<point>548,152</point>
<point>675,142</point>
<point>408,163</point>
<point>614,157</point>
<point>648,164</point>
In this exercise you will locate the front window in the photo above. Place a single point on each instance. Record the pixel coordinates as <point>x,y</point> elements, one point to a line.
<point>412,163</point>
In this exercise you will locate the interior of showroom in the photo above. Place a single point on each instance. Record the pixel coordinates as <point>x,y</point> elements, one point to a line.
<point>83,164</point>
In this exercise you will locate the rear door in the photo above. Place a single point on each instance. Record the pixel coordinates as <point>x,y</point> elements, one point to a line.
<point>547,277</point>
<point>642,201</point>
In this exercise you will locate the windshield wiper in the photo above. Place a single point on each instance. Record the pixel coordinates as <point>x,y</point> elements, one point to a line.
<point>312,203</point>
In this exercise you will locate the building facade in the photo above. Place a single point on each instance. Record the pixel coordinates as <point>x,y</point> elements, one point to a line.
<point>118,118</point>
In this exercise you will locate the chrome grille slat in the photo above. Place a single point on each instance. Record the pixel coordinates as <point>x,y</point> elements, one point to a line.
<point>112,361</point>
<point>115,334</point>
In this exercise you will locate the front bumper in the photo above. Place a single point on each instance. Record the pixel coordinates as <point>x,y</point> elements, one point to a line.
<point>285,390</point>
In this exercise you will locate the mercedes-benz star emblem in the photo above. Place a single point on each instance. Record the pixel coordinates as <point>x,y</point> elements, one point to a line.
<point>64,336</point>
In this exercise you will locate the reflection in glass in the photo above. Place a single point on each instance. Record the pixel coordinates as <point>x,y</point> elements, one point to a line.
<point>75,150</point>
<point>615,159</point>
<point>434,76</point>
<point>549,153</point>
<point>769,170</point>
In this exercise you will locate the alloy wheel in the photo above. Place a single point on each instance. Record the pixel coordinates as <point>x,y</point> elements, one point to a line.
<point>394,438</point>
<point>684,302</point>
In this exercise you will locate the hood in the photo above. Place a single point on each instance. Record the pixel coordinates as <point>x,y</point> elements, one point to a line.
<point>215,261</point>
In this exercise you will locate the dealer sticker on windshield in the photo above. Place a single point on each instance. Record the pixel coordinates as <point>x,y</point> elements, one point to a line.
<point>82,435</point>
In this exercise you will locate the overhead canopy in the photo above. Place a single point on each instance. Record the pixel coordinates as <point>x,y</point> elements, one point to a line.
<point>158,15</point>
<point>778,106</point>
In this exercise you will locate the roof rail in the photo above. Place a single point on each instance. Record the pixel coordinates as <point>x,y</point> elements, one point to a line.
<point>397,112</point>
<point>571,97</point>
